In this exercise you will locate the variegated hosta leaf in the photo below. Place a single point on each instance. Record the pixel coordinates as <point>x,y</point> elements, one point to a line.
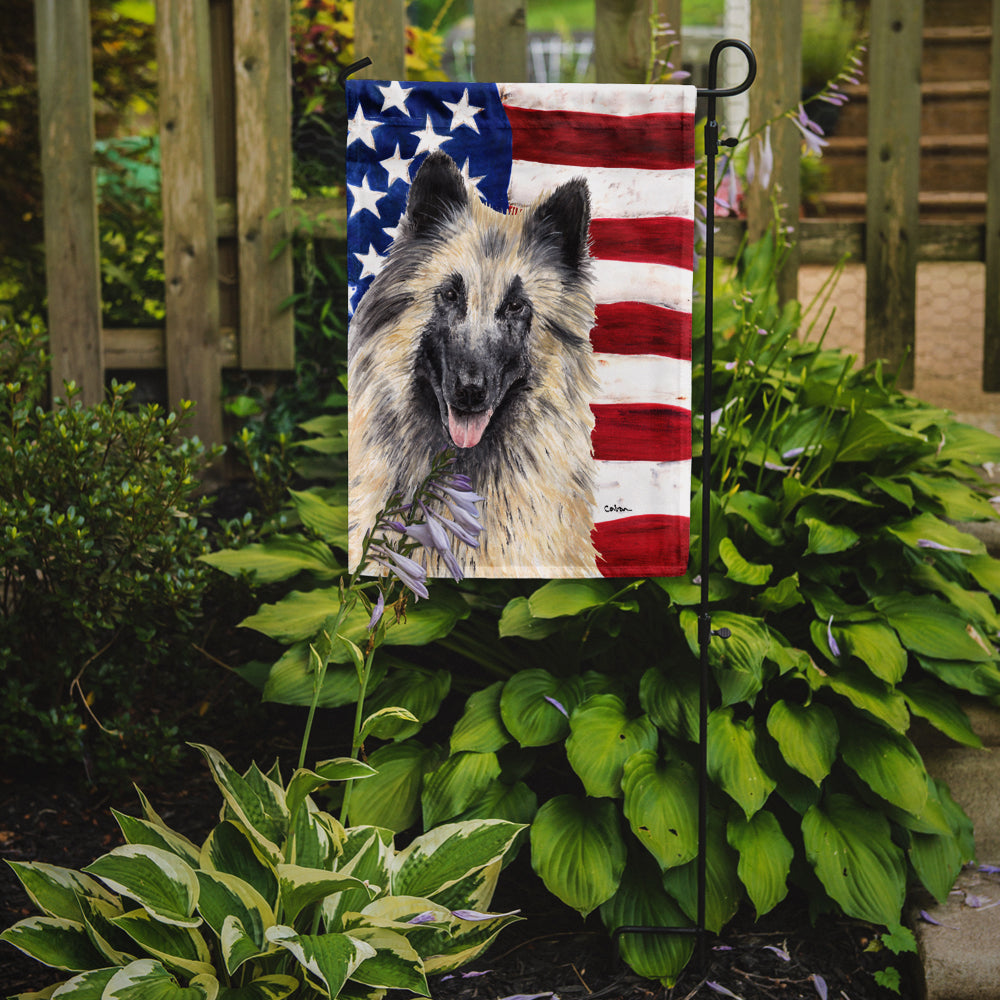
<point>578,851</point>
<point>476,890</point>
<point>158,880</point>
<point>256,801</point>
<point>642,902</point>
<point>366,855</point>
<point>86,986</point>
<point>441,857</point>
<point>602,737</point>
<point>54,941</point>
<point>661,799</point>
<point>56,891</point>
<point>807,736</point>
<point>274,987</point>
<point>456,784</point>
<point>465,942</point>
<point>147,979</point>
<point>329,959</point>
<point>116,946</point>
<point>304,782</point>
<point>765,858</point>
<point>300,887</point>
<point>315,838</point>
<point>481,727</point>
<point>225,897</point>
<point>850,847</point>
<point>732,760</point>
<point>141,831</point>
<point>230,849</point>
<point>177,947</point>
<point>395,964</point>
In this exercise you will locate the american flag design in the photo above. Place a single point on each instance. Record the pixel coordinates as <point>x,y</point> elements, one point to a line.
<point>634,144</point>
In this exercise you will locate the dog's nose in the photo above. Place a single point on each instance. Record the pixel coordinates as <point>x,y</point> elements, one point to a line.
<point>469,391</point>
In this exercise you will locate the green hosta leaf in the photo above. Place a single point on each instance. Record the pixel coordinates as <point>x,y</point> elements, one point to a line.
<point>965,443</point>
<point>292,679</point>
<point>180,948</point>
<point>928,528</point>
<point>415,689</point>
<point>850,847</point>
<point>275,987</point>
<point>957,501</point>
<point>893,488</point>
<point>395,964</point>
<point>738,661</point>
<point>732,760</point>
<point>54,941</point>
<point>456,784</point>
<point>976,678</point>
<point>758,511</point>
<point>765,858</point>
<point>225,897</point>
<point>602,738</point>
<point>327,520</point>
<point>827,539</point>
<point>866,692</point>
<point>888,763</point>
<point>937,858</point>
<point>975,605</point>
<point>141,831</point>
<point>517,620</point>
<point>641,901</point>
<point>807,736</point>
<point>870,435</point>
<point>304,782</point>
<point>56,891</point>
<point>230,849</point>
<point>684,593</point>
<point>163,884</point>
<point>661,798</point>
<point>932,628</point>
<point>527,711</point>
<point>440,858</point>
<point>260,809</point>
<point>671,700</point>
<point>783,595</point>
<point>279,558</point>
<point>391,798</point>
<point>147,979</point>
<point>301,887</point>
<point>986,571</point>
<point>330,959</point>
<point>751,574</point>
<point>516,803</point>
<point>386,723</point>
<point>876,646</point>
<point>481,728</point>
<point>578,851</point>
<point>723,889</point>
<point>558,598</point>
<point>941,709</point>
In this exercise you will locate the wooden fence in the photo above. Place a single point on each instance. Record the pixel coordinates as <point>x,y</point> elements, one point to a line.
<point>226,160</point>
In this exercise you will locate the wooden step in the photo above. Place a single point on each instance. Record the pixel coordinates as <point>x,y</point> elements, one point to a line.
<point>956,53</point>
<point>939,13</point>
<point>957,206</point>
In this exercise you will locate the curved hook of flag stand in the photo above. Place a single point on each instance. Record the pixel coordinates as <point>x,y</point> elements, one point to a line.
<point>705,631</point>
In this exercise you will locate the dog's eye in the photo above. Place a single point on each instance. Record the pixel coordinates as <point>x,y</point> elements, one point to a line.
<point>516,307</point>
<point>450,294</point>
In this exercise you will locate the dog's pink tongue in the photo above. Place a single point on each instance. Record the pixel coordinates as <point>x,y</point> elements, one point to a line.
<point>467,428</point>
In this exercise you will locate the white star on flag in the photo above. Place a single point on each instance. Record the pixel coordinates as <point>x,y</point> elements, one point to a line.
<point>397,167</point>
<point>364,197</point>
<point>360,128</point>
<point>429,139</point>
<point>463,113</point>
<point>371,262</point>
<point>474,181</point>
<point>395,97</point>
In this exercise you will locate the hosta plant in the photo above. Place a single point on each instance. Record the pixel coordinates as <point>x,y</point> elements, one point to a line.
<point>279,900</point>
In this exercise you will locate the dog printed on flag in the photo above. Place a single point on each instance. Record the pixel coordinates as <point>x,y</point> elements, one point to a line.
<point>520,280</point>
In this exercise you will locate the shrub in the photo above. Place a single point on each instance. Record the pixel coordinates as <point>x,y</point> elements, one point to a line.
<point>99,539</point>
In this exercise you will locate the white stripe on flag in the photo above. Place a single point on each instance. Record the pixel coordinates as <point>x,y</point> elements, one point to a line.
<point>642,488</point>
<point>614,193</point>
<point>643,378</point>
<point>612,99</point>
<point>631,281</point>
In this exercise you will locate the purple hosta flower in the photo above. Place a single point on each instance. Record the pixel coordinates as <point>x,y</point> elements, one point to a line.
<point>427,917</point>
<point>811,132</point>
<point>531,996</point>
<point>430,535</point>
<point>559,705</point>
<point>727,198</point>
<point>761,164</point>
<point>834,648</point>
<point>377,612</point>
<point>465,975</point>
<point>927,543</point>
<point>719,988</point>
<point>475,915</point>
<point>780,952</point>
<point>989,869</point>
<point>411,574</point>
<point>927,918</point>
<point>820,983</point>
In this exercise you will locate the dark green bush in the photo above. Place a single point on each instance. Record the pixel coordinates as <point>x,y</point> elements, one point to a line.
<point>100,583</point>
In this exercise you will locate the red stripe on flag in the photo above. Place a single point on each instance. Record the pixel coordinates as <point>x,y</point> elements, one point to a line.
<point>641,328</point>
<point>657,239</point>
<point>640,432</point>
<point>584,139</point>
<point>647,545</point>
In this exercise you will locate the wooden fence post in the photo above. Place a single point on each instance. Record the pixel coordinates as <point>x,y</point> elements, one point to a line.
<point>893,183</point>
<point>776,35</point>
<point>622,40</point>
<point>72,255</point>
<point>190,251</point>
<point>262,60</point>
<point>991,332</point>
<point>501,41</point>
<point>380,34</point>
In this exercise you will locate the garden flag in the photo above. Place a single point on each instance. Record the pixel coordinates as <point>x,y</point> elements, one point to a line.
<point>520,281</point>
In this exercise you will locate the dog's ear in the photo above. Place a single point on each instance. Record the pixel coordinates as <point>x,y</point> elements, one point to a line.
<point>563,218</point>
<point>438,192</point>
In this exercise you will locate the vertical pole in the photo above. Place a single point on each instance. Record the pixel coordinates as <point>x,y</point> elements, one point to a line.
<point>991,333</point>
<point>893,184</point>
<point>501,41</point>
<point>776,33</point>
<point>380,34</point>
<point>190,251</point>
<point>72,256</point>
